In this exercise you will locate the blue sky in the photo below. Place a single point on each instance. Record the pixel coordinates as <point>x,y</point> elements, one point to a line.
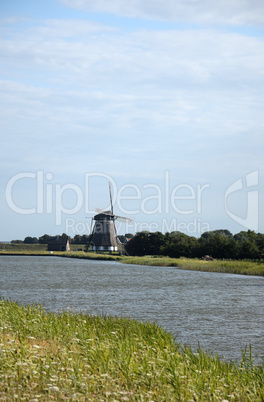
<point>165,100</point>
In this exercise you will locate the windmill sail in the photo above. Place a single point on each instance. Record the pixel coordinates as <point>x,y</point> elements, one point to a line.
<point>110,193</point>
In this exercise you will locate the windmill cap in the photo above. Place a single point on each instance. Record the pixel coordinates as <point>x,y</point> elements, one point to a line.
<point>106,216</point>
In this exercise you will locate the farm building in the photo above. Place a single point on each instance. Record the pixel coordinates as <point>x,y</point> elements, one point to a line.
<point>59,243</point>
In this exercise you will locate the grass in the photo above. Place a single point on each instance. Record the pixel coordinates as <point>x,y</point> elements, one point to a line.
<point>224,266</point>
<point>243,267</point>
<point>19,248</point>
<point>77,357</point>
<point>232,267</point>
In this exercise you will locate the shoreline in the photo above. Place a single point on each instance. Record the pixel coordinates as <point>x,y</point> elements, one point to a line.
<point>238,267</point>
<point>111,358</point>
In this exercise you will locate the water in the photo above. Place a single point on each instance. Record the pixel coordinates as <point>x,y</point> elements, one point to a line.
<point>223,312</point>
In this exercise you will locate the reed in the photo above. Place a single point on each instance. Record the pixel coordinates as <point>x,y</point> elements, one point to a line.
<point>79,357</point>
<point>233,267</point>
<point>242,267</point>
<point>17,247</point>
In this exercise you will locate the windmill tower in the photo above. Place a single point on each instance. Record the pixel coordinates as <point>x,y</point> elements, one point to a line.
<point>104,236</point>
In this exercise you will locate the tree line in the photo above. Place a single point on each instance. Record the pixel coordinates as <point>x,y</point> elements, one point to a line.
<point>84,239</point>
<point>77,239</point>
<point>219,244</point>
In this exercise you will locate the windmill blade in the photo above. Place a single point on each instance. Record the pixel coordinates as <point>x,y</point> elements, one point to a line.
<point>111,201</point>
<point>91,228</point>
<point>123,218</point>
<point>91,235</point>
<point>102,211</point>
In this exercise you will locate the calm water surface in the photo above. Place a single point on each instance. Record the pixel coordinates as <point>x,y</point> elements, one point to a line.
<point>223,312</point>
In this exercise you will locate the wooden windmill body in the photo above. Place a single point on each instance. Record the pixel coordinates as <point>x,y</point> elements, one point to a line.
<point>104,236</point>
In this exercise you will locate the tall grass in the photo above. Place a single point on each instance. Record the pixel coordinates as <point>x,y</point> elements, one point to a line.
<point>73,356</point>
<point>21,247</point>
<point>232,266</point>
<point>244,267</point>
<point>80,357</point>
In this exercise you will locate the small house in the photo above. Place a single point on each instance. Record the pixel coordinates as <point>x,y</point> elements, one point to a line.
<point>59,243</point>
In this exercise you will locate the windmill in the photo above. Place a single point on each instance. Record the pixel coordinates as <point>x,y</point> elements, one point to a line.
<point>104,236</point>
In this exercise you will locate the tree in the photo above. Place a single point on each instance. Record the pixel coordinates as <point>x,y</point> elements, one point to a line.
<point>243,236</point>
<point>260,244</point>
<point>216,245</point>
<point>122,238</point>
<point>249,250</point>
<point>201,247</point>
<point>76,239</point>
<point>30,240</point>
<point>129,235</point>
<point>155,242</point>
<point>138,245</point>
<point>44,239</point>
<point>223,232</point>
<point>179,244</point>
<point>219,244</point>
<point>232,249</point>
<point>248,245</point>
<point>84,239</point>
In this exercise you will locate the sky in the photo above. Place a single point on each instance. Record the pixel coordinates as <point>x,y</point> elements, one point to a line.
<point>164,100</point>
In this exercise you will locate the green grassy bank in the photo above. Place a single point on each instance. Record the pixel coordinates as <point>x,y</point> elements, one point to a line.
<point>77,357</point>
<point>233,266</point>
<point>17,247</point>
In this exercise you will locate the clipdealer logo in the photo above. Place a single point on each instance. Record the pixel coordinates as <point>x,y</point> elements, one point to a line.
<point>249,185</point>
<point>130,199</point>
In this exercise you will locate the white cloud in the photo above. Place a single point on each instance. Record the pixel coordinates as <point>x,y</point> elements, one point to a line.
<point>82,96</point>
<point>122,61</point>
<point>71,29</point>
<point>118,83</point>
<point>227,12</point>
